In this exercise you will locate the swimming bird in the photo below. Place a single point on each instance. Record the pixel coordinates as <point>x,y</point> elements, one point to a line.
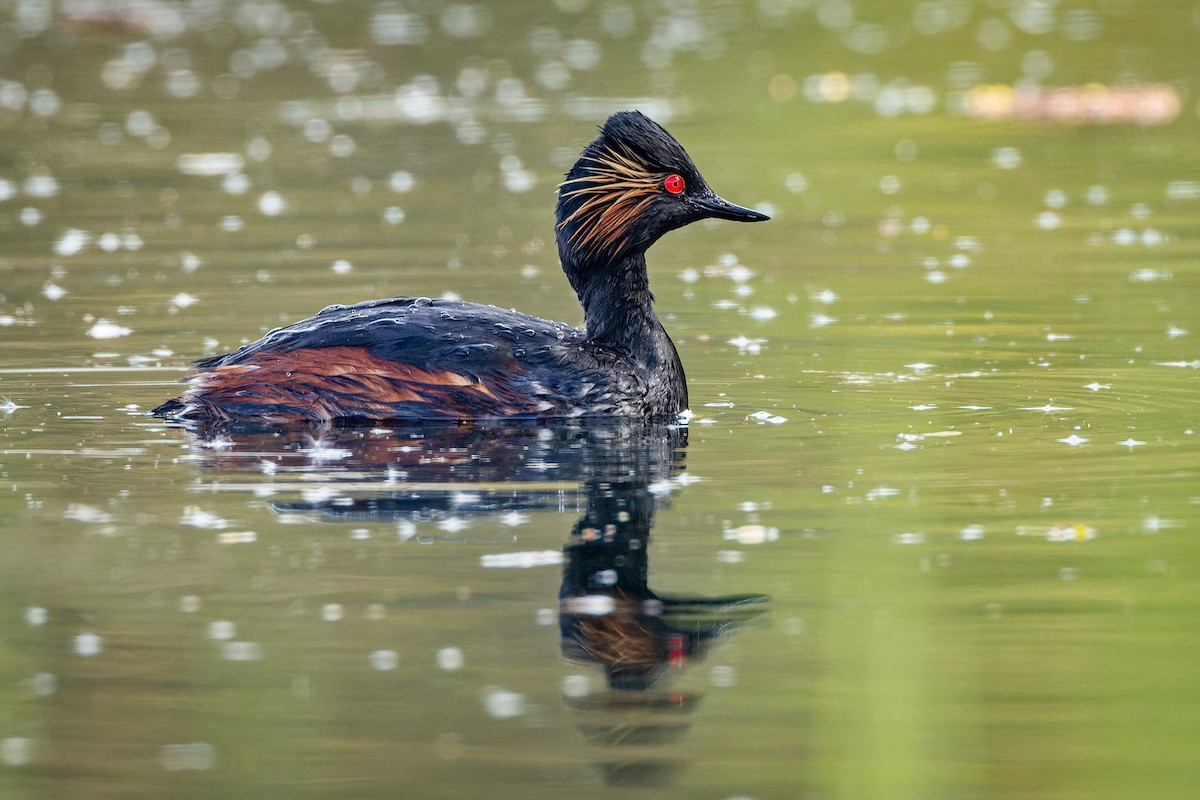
<point>417,358</point>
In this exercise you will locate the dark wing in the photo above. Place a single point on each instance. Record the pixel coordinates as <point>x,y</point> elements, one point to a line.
<point>413,358</point>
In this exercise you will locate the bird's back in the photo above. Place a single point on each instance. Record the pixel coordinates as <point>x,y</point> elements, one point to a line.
<point>413,358</point>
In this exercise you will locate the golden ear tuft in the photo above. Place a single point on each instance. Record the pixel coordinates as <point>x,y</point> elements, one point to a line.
<point>615,191</point>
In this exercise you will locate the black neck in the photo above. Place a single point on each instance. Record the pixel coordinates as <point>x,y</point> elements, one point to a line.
<point>619,314</point>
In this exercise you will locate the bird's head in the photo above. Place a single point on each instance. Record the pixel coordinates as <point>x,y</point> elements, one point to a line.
<point>631,185</point>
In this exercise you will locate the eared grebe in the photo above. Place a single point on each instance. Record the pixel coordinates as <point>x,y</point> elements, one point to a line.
<point>416,358</point>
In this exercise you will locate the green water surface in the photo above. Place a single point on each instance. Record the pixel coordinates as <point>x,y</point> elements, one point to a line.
<point>944,404</point>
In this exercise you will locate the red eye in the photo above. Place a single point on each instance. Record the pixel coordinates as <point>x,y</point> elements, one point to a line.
<point>673,184</point>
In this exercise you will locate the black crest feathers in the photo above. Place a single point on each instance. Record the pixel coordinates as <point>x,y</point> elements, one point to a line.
<point>607,202</point>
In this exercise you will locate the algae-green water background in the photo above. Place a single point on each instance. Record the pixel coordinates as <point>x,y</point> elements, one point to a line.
<point>945,401</point>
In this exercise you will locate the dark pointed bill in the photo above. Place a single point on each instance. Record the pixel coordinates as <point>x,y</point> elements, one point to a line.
<point>714,206</point>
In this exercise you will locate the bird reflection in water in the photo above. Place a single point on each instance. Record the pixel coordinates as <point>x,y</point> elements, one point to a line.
<point>615,471</point>
<point>609,616</point>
